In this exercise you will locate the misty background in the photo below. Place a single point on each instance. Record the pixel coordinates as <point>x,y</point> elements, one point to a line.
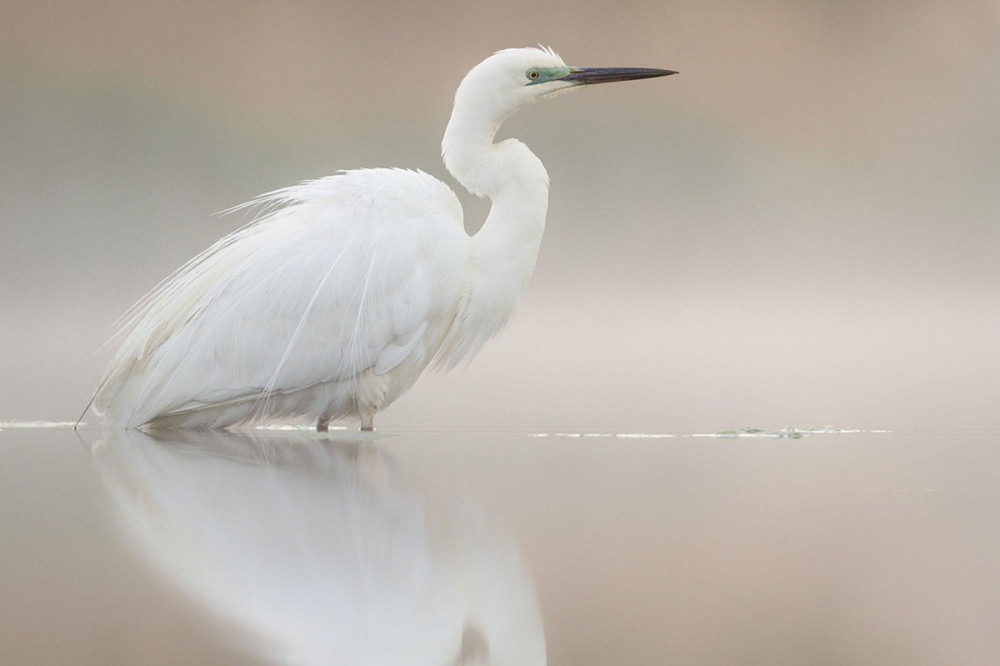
<point>801,228</point>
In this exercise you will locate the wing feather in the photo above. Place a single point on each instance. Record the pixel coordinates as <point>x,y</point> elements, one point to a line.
<point>339,275</point>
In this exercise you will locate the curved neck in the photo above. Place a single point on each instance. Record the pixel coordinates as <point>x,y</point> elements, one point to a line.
<point>503,252</point>
<point>481,166</point>
<point>507,172</point>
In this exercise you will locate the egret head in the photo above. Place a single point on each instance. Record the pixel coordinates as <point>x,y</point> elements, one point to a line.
<point>497,87</point>
<point>513,78</point>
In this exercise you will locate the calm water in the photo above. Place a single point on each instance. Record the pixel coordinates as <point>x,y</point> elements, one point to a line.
<point>499,548</point>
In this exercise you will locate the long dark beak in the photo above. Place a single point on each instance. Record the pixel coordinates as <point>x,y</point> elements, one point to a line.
<point>586,75</point>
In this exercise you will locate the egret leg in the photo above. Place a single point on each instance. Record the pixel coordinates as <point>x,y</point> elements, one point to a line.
<point>369,395</point>
<point>323,425</point>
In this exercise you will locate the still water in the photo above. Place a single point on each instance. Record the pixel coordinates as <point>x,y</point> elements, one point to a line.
<point>288,547</point>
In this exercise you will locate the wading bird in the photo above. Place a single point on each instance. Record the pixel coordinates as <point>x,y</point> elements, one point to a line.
<point>332,302</point>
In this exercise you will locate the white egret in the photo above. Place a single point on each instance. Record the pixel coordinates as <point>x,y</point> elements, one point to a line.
<point>333,301</point>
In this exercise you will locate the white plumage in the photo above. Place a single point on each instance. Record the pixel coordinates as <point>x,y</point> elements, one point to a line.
<point>334,300</point>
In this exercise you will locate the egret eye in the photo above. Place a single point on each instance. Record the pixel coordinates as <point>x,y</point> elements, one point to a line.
<point>533,74</point>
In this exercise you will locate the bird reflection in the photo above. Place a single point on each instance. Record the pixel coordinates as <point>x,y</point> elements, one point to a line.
<point>321,551</point>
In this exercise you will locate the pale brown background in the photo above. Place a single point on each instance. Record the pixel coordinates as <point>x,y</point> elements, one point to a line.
<point>799,229</point>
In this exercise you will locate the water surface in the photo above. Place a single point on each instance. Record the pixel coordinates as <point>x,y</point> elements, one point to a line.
<point>779,547</point>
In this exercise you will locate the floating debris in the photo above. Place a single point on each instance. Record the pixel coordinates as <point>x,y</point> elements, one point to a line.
<point>784,433</point>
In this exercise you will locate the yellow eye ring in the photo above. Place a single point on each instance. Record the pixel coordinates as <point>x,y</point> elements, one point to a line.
<point>533,74</point>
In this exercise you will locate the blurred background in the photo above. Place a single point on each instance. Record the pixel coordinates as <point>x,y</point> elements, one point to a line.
<point>799,229</point>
